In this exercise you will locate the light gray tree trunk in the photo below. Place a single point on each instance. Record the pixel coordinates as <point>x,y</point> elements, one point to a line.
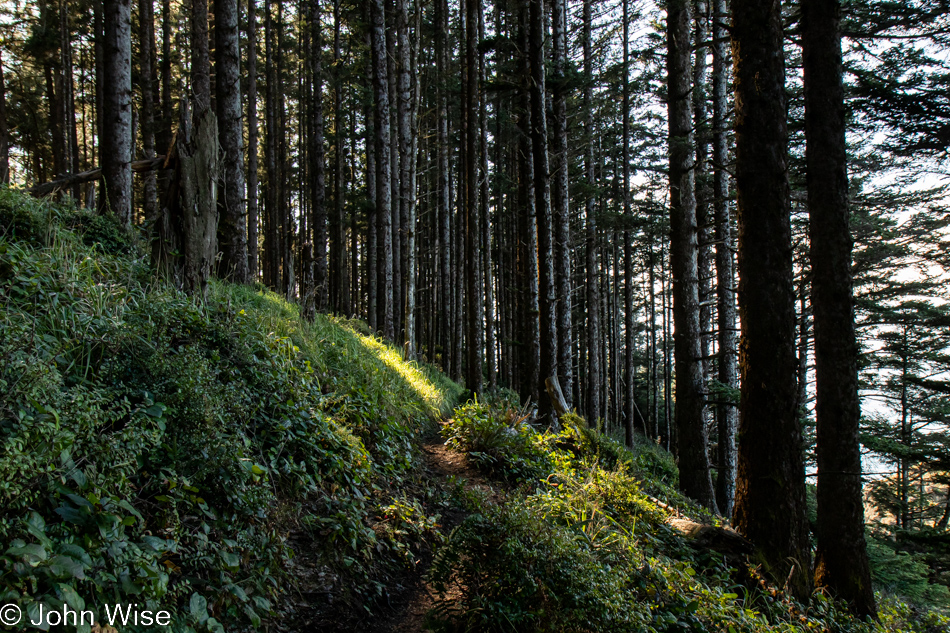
<point>727,412</point>
<point>383,167</point>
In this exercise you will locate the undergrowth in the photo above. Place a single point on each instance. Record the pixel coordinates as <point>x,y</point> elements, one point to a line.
<point>580,543</point>
<point>160,450</point>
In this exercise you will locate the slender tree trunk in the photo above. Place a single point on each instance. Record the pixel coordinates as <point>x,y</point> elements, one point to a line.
<point>594,363</point>
<point>272,250</point>
<point>695,478</point>
<point>252,144</point>
<point>491,361</point>
<point>841,562</point>
<point>233,225</point>
<point>444,202</point>
<point>146,72</point>
<point>561,197</point>
<point>4,132</point>
<point>727,413</point>
<point>318,213</point>
<point>542,186</point>
<point>384,204</point>
<point>200,58</point>
<point>473,288</point>
<point>340,271</point>
<point>630,405</point>
<point>116,133</point>
<point>531,363</point>
<point>407,161</point>
<point>165,136</point>
<point>770,494</point>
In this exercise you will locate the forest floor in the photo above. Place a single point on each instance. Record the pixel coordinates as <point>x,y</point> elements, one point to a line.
<point>410,596</point>
<point>408,606</point>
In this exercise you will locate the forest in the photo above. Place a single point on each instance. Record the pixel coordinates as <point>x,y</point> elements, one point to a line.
<point>707,235</point>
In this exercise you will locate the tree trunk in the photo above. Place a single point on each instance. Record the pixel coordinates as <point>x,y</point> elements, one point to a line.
<point>198,152</point>
<point>841,562</point>
<point>200,58</point>
<point>4,132</point>
<point>253,268</point>
<point>726,414</point>
<point>271,195</point>
<point>561,197</point>
<point>146,72</point>
<point>473,287</point>
<point>116,131</point>
<point>318,212</point>
<point>695,478</point>
<point>630,405</point>
<point>770,493</point>
<point>233,226</point>
<point>384,204</point>
<point>339,271</point>
<point>595,374</point>
<point>542,187</point>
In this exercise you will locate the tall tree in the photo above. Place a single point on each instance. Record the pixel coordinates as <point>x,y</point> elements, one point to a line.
<point>726,413</point>
<point>770,492</point>
<point>116,131</point>
<point>198,155</point>
<point>4,131</point>
<point>233,225</point>
<point>317,155</point>
<point>695,476</point>
<point>841,561</point>
<point>253,269</point>
<point>383,136</point>
<point>560,197</point>
<point>542,195</point>
<point>146,75</point>
<point>594,364</point>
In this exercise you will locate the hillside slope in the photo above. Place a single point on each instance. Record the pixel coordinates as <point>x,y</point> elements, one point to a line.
<point>244,469</point>
<point>159,450</point>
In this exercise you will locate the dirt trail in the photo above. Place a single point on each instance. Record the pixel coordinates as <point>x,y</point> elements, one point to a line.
<point>409,605</point>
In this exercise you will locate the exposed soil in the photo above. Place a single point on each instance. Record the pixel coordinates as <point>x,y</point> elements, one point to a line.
<point>410,597</point>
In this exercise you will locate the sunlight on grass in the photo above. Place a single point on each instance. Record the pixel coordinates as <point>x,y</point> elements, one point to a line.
<point>346,356</point>
<point>408,370</point>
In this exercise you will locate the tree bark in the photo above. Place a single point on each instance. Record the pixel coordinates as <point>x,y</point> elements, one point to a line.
<point>594,364</point>
<point>200,58</point>
<point>695,477</point>
<point>318,212</point>
<point>116,132</point>
<point>253,267</point>
<point>770,492</point>
<point>198,152</point>
<point>4,132</point>
<point>384,204</point>
<point>841,562</point>
<point>727,413</point>
<point>470,128</point>
<point>561,197</point>
<point>146,73</point>
<point>630,406</point>
<point>233,225</point>
<point>542,187</point>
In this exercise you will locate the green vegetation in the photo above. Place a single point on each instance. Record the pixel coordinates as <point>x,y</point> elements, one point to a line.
<point>160,450</point>
<point>580,544</point>
<point>202,457</point>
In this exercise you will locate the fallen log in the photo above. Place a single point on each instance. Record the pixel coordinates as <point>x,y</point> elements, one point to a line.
<point>69,180</point>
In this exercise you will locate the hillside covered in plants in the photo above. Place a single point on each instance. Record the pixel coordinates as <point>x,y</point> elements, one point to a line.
<point>244,468</point>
